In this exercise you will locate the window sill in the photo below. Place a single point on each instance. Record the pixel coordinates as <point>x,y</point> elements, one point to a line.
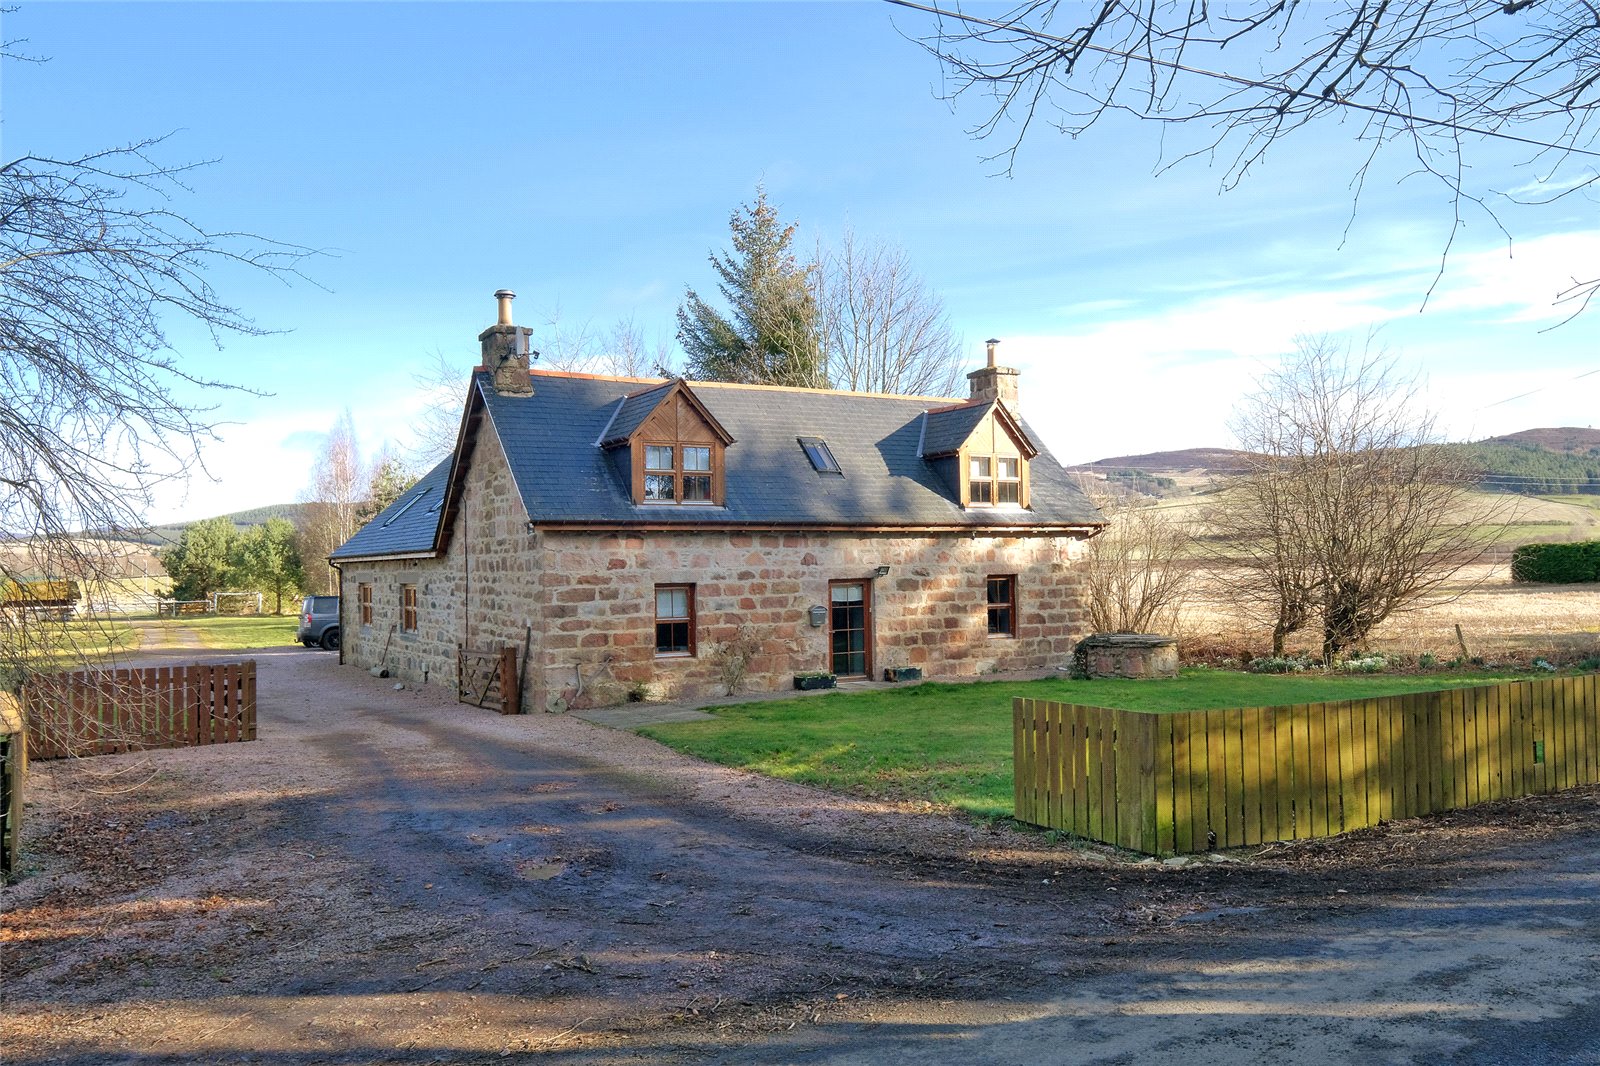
<point>674,655</point>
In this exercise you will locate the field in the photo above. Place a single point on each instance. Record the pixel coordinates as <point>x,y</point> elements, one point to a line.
<point>950,745</point>
<point>1501,620</point>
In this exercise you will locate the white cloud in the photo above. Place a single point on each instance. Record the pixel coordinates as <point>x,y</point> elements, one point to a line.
<point>1520,282</point>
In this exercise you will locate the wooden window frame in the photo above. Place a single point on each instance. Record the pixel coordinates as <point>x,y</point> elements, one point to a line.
<point>364,602</point>
<point>689,619</point>
<point>408,608</point>
<point>1008,605</point>
<point>990,484</point>
<point>868,642</point>
<point>679,474</point>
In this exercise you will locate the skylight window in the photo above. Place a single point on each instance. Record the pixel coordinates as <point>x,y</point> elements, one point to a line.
<point>822,459</point>
<point>408,505</point>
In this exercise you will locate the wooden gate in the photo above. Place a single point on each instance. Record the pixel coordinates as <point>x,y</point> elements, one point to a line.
<point>488,678</point>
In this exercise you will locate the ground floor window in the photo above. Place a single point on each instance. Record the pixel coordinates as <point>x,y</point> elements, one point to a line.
<point>674,619</point>
<point>364,602</point>
<point>408,608</point>
<point>1002,605</point>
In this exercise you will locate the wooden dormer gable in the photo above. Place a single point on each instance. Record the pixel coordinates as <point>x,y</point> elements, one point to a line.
<point>669,447</point>
<point>982,451</point>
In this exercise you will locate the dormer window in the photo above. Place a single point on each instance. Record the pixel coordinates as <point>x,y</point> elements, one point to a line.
<point>668,446</point>
<point>677,473</point>
<point>982,453</point>
<point>994,479</point>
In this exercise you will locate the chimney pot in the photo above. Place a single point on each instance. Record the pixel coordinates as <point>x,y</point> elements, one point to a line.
<point>506,354</point>
<point>993,343</point>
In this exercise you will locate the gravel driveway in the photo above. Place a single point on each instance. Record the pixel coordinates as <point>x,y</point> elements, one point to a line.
<point>389,877</point>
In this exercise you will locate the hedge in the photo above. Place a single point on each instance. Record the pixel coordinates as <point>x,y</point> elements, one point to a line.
<point>1559,564</point>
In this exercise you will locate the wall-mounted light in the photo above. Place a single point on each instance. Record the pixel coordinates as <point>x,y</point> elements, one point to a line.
<point>882,571</point>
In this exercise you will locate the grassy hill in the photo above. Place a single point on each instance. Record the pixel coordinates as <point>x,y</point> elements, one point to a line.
<point>162,536</point>
<point>1554,461</point>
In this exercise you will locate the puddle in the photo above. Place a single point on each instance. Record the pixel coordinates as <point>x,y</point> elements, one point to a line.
<point>535,870</point>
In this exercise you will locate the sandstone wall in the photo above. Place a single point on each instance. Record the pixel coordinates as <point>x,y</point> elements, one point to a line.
<point>590,600</point>
<point>929,612</point>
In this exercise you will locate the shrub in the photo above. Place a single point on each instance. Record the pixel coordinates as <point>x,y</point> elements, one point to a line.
<point>1279,664</point>
<point>733,656</point>
<point>1365,664</point>
<point>1557,564</point>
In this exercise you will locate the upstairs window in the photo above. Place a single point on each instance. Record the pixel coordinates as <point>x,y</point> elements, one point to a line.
<point>994,479</point>
<point>1008,479</point>
<point>660,473</point>
<point>980,476</point>
<point>677,473</point>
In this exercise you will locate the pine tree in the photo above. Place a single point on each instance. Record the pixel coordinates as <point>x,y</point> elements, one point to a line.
<point>771,334</point>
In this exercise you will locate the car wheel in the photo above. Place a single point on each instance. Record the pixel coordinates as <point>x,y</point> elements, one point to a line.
<point>330,639</point>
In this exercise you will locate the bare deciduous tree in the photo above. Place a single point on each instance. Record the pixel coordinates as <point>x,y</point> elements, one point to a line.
<point>96,408</point>
<point>1138,569</point>
<point>883,330</point>
<point>1355,508</point>
<point>1263,549</point>
<point>623,352</point>
<point>332,504</point>
<point>1437,81</point>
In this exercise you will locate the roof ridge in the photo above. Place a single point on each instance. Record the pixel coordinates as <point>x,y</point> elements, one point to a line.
<point>823,392</point>
<point>956,406</point>
<point>556,373</point>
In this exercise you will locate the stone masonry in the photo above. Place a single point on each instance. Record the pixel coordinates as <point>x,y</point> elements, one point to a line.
<point>588,596</point>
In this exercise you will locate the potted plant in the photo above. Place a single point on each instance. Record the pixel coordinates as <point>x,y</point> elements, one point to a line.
<point>813,680</point>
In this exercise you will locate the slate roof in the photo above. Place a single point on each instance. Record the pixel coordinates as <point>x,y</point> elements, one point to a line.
<point>632,412</point>
<point>407,525</point>
<point>549,439</point>
<point>949,427</point>
<point>564,476</point>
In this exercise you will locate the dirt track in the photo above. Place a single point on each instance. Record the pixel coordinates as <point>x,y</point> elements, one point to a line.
<point>389,877</point>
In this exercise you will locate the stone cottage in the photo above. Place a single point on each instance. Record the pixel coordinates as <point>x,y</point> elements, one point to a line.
<point>623,530</point>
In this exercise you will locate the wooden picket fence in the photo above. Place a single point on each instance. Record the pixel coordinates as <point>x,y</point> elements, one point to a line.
<point>104,712</point>
<point>1192,780</point>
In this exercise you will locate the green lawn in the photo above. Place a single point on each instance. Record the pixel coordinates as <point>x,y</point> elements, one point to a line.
<point>951,744</point>
<point>246,631</point>
<point>68,645</point>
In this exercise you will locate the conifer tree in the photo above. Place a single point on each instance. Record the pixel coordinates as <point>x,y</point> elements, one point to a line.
<point>771,332</point>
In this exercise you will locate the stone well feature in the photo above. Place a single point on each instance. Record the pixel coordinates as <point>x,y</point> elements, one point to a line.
<point>1135,655</point>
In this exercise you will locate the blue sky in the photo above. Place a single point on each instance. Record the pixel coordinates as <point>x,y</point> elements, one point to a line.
<point>588,156</point>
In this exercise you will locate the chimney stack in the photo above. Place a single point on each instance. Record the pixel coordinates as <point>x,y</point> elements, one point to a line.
<point>996,382</point>
<point>506,354</point>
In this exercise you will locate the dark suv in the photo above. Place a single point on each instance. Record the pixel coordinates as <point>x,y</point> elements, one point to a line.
<point>319,622</point>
